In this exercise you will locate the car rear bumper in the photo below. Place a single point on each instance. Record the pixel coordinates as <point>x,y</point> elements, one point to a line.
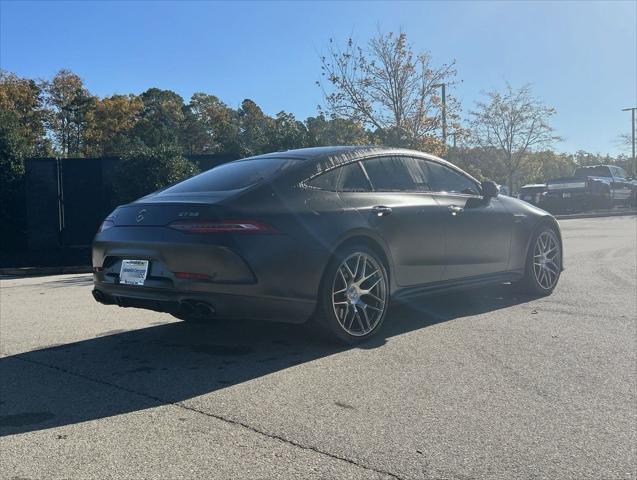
<point>268,277</point>
<point>223,305</point>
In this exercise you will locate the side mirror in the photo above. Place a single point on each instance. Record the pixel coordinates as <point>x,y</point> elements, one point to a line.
<point>490,189</point>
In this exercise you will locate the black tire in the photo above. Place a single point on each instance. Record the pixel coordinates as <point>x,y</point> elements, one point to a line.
<point>530,283</point>
<point>326,316</point>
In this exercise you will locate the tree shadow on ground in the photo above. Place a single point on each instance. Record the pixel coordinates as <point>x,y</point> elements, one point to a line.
<point>131,371</point>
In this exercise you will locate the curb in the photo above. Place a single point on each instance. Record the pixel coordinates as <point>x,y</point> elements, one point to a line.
<point>41,271</point>
<point>596,215</point>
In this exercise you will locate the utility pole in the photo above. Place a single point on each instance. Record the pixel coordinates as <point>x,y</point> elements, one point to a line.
<point>444,110</point>
<point>444,119</point>
<point>632,131</point>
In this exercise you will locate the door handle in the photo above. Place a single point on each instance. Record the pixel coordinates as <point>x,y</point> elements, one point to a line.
<point>455,209</point>
<point>381,211</point>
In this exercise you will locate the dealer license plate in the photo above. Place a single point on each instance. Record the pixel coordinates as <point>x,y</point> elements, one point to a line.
<point>133,272</point>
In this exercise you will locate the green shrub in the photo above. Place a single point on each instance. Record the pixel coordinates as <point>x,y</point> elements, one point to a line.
<point>146,169</point>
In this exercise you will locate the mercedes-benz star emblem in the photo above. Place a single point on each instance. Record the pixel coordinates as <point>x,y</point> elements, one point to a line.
<point>140,215</point>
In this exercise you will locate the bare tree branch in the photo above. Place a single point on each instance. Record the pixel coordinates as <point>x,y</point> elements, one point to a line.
<point>512,123</point>
<point>389,88</point>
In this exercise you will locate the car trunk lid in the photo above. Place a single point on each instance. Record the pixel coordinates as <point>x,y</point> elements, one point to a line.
<point>158,211</point>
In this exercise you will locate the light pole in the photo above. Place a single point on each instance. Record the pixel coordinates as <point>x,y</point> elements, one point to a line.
<point>444,110</point>
<point>632,131</point>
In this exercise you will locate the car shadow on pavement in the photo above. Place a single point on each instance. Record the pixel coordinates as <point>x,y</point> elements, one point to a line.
<point>169,363</point>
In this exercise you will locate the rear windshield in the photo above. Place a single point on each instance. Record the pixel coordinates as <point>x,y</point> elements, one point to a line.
<point>232,176</point>
<point>592,172</point>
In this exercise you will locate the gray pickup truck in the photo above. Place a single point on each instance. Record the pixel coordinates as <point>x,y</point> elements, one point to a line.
<point>590,188</point>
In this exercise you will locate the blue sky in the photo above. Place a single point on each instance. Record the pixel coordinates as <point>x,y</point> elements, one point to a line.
<point>581,56</point>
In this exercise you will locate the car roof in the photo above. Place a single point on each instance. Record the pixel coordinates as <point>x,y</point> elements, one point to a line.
<point>325,158</point>
<point>348,151</point>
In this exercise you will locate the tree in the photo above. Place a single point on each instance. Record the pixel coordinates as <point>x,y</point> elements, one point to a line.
<point>110,130</point>
<point>215,125</point>
<point>23,97</point>
<point>625,142</point>
<point>146,169</point>
<point>161,118</point>
<point>255,129</point>
<point>287,133</point>
<point>22,134</point>
<point>71,106</point>
<point>389,89</point>
<point>335,131</point>
<point>583,158</point>
<point>544,165</point>
<point>14,147</point>
<point>512,124</point>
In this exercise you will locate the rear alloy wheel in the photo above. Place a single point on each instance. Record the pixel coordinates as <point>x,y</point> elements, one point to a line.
<point>354,295</point>
<point>544,263</point>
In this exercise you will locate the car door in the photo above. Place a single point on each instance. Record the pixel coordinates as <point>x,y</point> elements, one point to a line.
<point>621,185</point>
<point>402,212</point>
<point>478,230</point>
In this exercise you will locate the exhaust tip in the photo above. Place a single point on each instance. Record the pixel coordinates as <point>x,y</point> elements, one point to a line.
<point>204,309</point>
<point>196,308</point>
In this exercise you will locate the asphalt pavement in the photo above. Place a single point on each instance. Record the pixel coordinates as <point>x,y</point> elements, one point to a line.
<point>481,384</point>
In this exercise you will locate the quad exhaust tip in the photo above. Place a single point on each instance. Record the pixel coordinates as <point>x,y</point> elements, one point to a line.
<point>193,307</point>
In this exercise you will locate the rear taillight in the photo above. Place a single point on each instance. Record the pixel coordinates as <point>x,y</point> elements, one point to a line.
<point>106,224</point>
<point>222,226</point>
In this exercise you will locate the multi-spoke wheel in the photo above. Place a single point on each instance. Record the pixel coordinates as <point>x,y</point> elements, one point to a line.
<point>544,262</point>
<point>547,260</point>
<point>355,294</point>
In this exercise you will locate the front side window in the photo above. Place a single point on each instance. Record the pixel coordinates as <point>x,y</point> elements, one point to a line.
<point>232,176</point>
<point>445,179</point>
<point>620,173</point>
<point>397,174</point>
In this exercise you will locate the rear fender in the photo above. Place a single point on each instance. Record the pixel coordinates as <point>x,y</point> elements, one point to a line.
<point>372,239</point>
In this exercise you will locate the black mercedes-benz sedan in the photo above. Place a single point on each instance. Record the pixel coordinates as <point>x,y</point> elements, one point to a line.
<point>329,233</point>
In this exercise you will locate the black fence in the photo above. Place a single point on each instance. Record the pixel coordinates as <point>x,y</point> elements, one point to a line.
<point>58,207</point>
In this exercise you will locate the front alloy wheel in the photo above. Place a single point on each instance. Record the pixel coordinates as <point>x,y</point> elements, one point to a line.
<point>547,262</point>
<point>544,263</point>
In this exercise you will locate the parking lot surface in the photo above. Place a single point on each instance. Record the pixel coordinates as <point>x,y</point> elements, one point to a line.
<point>481,384</point>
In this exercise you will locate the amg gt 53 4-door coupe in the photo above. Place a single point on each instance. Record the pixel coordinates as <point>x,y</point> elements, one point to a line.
<point>330,233</point>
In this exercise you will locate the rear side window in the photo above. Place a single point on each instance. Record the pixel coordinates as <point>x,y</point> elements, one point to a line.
<point>326,181</point>
<point>397,174</point>
<point>232,176</point>
<point>353,179</point>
